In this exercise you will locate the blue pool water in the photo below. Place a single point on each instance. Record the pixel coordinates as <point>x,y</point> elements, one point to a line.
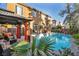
<point>60,40</point>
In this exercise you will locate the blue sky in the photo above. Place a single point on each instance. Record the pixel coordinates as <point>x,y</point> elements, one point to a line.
<point>3,5</point>
<point>51,9</point>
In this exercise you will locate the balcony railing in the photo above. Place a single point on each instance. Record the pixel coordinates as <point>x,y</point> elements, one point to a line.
<point>9,13</point>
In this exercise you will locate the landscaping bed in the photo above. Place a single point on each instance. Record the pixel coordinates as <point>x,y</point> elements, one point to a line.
<point>76,38</point>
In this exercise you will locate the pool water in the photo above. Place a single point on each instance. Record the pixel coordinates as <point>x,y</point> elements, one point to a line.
<point>61,40</point>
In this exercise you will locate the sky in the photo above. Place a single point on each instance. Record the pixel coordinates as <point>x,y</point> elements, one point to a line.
<point>3,5</point>
<point>52,9</point>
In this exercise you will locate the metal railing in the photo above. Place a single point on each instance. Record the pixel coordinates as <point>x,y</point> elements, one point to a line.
<point>9,13</point>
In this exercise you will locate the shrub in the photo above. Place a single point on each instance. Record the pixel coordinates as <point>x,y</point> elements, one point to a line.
<point>76,36</point>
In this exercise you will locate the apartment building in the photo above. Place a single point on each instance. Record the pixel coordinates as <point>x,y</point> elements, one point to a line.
<point>34,20</point>
<point>18,10</point>
<point>53,23</point>
<point>40,20</point>
<point>8,19</point>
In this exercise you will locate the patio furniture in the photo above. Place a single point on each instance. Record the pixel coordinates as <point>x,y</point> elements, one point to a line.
<point>13,41</point>
<point>1,50</point>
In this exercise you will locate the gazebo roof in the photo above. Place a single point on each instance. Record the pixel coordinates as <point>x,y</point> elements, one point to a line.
<point>9,17</point>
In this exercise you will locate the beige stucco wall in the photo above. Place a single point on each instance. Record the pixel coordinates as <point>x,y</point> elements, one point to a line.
<point>43,18</point>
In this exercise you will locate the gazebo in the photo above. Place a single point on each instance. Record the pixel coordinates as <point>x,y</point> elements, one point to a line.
<point>12,18</point>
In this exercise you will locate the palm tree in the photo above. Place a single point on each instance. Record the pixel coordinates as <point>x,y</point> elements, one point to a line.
<point>76,16</point>
<point>68,13</point>
<point>74,21</point>
<point>42,47</point>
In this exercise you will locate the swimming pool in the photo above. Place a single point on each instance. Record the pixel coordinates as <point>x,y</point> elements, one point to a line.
<point>61,40</point>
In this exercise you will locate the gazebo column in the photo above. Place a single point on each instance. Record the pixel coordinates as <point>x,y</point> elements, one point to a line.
<point>18,31</point>
<point>26,31</point>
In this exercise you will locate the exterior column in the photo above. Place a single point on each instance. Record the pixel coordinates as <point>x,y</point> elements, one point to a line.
<point>26,31</point>
<point>18,31</point>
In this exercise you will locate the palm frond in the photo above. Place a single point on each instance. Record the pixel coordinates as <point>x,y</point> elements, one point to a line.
<point>62,13</point>
<point>41,53</point>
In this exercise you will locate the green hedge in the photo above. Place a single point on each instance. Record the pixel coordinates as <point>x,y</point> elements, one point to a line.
<point>76,36</point>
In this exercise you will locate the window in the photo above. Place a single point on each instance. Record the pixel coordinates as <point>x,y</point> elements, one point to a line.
<point>35,27</point>
<point>34,13</point>
<point>19,10</point>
